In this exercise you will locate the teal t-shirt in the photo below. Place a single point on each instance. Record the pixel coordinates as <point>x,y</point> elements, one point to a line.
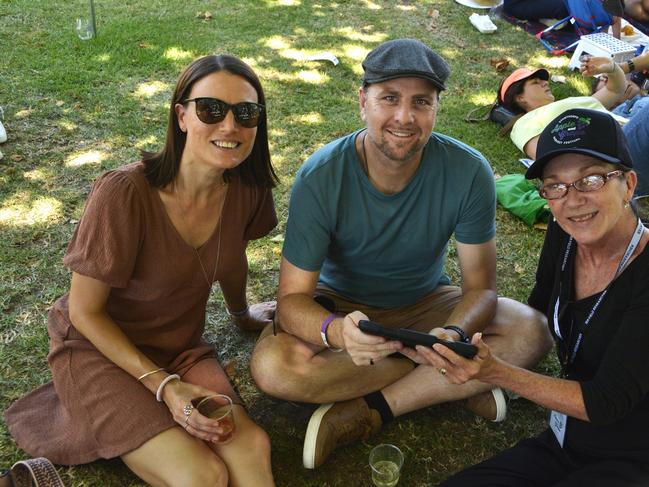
<point>387,250</point>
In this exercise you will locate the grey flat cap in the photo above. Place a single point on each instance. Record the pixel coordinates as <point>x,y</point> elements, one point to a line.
<point>402,58</point>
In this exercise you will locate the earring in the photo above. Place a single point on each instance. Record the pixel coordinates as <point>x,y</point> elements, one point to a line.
<point>626,205</point>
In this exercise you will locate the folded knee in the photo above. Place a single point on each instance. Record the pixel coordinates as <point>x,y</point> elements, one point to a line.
<point>275,370</point>
<point>535,328</point>
<point>258,441</point>
<point>538,325</point>
<point>211,471</point>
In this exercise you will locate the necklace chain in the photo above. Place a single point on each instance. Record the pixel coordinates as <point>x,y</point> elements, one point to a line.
<point>218,248</point>
<point>366,166</point>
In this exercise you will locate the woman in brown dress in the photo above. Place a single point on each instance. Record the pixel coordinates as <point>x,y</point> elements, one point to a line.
<point>154,237</point>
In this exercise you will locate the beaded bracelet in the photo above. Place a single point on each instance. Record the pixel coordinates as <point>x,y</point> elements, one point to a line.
<point>147,374</point>
<point>165,381</point>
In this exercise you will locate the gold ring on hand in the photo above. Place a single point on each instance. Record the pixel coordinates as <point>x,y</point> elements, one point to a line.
<point>442,371</point>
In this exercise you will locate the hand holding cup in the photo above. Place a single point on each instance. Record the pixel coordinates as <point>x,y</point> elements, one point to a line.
<point>218,407</point>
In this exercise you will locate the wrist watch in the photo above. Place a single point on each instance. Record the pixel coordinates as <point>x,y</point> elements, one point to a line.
<point>631,65</point>
<point>463,336</point>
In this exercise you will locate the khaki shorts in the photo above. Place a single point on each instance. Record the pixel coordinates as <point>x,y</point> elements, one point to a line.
<point>429,312</point>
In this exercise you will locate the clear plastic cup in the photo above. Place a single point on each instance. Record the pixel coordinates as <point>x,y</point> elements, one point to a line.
<point>84,29</point>
<point>386,462</point>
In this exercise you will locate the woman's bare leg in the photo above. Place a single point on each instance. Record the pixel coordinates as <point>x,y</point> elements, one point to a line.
<point>174,458</point>
<point>247,455</point>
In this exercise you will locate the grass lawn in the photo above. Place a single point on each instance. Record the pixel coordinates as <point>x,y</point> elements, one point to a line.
<point>75,109</point>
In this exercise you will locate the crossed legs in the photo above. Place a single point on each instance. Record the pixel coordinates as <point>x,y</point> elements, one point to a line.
<point>286,367</point>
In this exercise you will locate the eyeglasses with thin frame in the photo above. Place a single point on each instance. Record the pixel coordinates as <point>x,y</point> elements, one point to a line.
<point>212,110</point>
<point>589,183</point>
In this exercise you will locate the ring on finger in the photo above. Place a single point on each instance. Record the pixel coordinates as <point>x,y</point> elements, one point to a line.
<point>442,371</point>
<point>188,409</point>
<point>186,422</point>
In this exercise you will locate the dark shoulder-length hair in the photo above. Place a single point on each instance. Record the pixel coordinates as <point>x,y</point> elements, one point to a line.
<point>161,168</point>
<point>509,100</point>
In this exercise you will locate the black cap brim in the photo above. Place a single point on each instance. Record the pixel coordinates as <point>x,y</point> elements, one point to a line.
<point>536,169</point>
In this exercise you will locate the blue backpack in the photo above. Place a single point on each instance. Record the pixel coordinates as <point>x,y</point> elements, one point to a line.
<point>587,16</point>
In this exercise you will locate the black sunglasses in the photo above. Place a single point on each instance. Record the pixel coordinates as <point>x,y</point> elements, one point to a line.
<point>212,110</point>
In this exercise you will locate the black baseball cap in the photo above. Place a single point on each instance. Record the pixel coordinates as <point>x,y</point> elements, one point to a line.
<point>581,131</point>
<point>402,58</point>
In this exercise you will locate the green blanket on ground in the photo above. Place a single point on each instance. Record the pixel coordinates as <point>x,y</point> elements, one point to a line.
<point>519,196</point>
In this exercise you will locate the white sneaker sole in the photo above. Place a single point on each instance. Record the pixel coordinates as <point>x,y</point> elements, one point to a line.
<point>501,404</point>
<point>308,452</point>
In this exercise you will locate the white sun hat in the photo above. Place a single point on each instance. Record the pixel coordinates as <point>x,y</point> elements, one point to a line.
<point>480,3</point>
<point>3,132</point>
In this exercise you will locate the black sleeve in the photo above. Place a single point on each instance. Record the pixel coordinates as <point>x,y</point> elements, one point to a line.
<point>555,242</point>
<point>622,379</point>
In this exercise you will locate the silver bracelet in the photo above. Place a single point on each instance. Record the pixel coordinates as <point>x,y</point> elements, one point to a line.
<point>165,381</point>
<point>236,314</point>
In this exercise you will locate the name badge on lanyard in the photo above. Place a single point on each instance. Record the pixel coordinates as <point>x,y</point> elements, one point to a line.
<point>559,421</point>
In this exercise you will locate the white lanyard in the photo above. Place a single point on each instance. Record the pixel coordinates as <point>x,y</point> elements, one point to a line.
<point>635,239</point>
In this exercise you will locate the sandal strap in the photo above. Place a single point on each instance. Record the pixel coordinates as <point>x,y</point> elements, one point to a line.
<point>35,472</point>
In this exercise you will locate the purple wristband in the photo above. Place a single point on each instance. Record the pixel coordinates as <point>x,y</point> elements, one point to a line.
<point>323,331</point>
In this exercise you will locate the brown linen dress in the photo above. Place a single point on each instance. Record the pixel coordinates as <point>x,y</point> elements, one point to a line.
<point>92,408</point>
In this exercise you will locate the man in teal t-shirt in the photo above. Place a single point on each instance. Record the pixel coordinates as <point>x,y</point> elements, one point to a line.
<point>370,218</point>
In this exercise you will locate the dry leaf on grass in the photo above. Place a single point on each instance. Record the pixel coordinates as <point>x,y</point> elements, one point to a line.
<point>433,15</point>
<point>204,15</point>
<point>499,64</point>
<point>231,368</point>
<point>16,157</point>
<point>518,268</point>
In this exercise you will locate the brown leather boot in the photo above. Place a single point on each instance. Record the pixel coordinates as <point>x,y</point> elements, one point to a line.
<point>337,424</point>
<point>490,405</point>
<point>5,479</point>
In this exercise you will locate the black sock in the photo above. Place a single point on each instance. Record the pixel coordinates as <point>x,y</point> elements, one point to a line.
<point>376,401</point>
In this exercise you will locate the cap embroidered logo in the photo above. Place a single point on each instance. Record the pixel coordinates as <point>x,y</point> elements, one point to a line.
<point>570,129</point>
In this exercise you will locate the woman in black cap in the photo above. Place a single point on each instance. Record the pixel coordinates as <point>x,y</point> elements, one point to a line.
<point>593,285</point>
